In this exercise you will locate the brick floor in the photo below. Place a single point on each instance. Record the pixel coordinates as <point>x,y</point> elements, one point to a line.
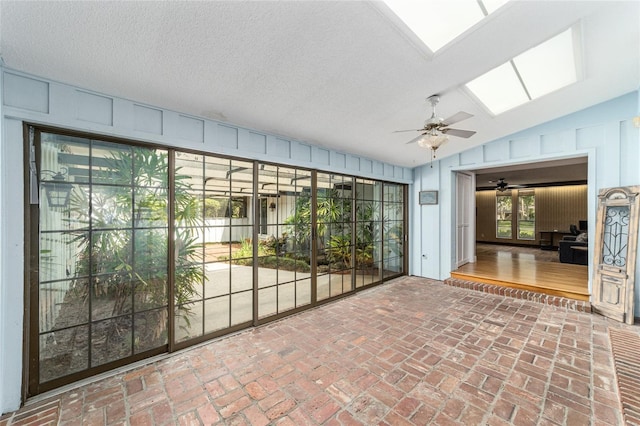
<point>412,351</point>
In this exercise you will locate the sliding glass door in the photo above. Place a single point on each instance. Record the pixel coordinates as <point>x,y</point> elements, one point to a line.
<point>284,249</point>
<point>102,275</point>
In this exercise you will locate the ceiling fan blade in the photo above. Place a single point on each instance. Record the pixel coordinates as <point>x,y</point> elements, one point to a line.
<point>414,140</point>
<point>457,117</point>
<point>459,133</point>
<point>410,130</point>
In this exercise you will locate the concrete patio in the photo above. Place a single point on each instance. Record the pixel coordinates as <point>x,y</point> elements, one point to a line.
<point>412,351</point>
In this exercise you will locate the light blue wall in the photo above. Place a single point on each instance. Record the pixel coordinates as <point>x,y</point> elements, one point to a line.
<point>604,133</point>
<point>27,98</point>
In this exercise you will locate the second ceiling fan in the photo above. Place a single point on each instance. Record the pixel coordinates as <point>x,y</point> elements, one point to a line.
<point>502,185</point>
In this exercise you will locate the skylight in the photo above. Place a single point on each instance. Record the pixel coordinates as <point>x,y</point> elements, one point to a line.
<point>534,73</point>
<point>437,22</point>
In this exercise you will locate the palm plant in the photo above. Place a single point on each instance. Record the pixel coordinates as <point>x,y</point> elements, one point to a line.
<point>122,263</point>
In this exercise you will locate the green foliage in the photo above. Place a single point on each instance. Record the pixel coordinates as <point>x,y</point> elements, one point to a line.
<point>339,249</point>
<point>120,258</point>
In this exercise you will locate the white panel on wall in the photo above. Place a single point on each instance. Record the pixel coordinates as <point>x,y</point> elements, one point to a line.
<point>256,143</point>
<point>190,129</point>
<point>94,108</point>
<point>353,162</point>
<point>300,151</point>
<point>339,160</point>
<point>471,156</point>
<point>555,142</point>
<point>408,173</point>
<point>281,148</point>
<point>378,168</point>
<point>496,151</point>
<point>398,171</point>
<point>320,156</point>
<point>147,119</point>
<point>526,147</point>
<point>629,155</point>
<point>366,165</point>
<point>590,137</point>
<point>227,136</point>
<point>25,93</point>
<point>388,170</point>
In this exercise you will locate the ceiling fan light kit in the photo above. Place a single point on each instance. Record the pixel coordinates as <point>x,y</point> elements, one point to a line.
<point>432,141</point>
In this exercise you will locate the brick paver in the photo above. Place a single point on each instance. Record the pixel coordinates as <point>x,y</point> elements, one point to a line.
<point>413,351</point>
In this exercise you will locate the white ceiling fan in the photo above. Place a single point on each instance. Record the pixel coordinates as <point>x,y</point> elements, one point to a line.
<point>436,130</point>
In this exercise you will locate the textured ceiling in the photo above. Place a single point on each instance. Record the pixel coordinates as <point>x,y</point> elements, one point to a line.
<point>342,74</point>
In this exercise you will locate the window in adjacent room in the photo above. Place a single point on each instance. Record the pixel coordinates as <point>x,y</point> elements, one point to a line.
<point>503,216</point>
<point>526,215</point>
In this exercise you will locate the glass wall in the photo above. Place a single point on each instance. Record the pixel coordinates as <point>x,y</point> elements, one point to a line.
<point>142,250</point>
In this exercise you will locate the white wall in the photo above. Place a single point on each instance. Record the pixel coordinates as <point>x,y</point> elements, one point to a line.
<point>36,100</point>
<point>604,133</point>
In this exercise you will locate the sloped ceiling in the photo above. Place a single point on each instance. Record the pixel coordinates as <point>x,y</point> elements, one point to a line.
<point>340,74</point>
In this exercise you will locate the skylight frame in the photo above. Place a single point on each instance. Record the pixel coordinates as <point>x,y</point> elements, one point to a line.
<point>495,105</point>
<point>448,21</point>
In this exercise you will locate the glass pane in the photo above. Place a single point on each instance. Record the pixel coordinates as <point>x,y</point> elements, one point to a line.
<point>503,213</point>
<point>267,272</point>
<point>286,297</point>
<point>110,251</point>
<point>110,207</point>
<point>150,208</point>
<point>111,163</point>
<point>241,307</point>
<point>216,314</point>
<point>150,330</point>
<point>73,217</point>
<point>150,293</point>
<point>188,321</point>
<point>526,216</point>
<point>150,253</point>
<point>323,283</point>
<point>63,352</point>
<point>616,236</point>
<point>63,256</point>
<point>111,295</point>
<point>218,279</point>
<point>150,169</point>
<point>337,282</point>
<point>63,304</point>
<point>111,340</point>
<point>303,292</point>
<point>267,300</point>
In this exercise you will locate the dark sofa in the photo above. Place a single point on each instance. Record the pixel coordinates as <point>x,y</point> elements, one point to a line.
<point>568,254</point>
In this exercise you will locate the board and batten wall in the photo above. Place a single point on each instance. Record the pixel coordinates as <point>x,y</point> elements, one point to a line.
<point>557,207</point>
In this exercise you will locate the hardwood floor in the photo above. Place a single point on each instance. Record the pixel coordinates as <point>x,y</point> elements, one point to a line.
<point>527,269</point>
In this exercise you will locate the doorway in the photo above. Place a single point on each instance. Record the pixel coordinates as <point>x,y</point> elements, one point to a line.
<point>514,205</point>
